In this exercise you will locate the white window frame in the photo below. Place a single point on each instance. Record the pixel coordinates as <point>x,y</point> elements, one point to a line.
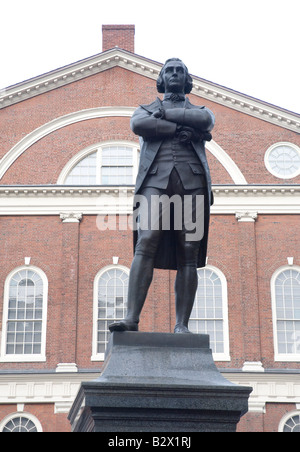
<point>284,357</point>
<point>268,166</point>
<point>18,414</point>
<point>41,357</point>
<point>97,148</point>
<point>286,417</point>
<point>95,355</point>
<point>225,356</point>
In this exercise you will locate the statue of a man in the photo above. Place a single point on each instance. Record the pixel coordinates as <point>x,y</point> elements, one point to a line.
<point>172,162</point>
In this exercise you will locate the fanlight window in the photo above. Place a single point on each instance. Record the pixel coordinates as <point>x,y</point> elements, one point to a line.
<point>85,172</point>
<point>20,424</point>
<point>292,425</point>
<point>108,165</point>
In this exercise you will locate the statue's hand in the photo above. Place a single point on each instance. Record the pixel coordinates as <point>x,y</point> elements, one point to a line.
<point>186,134</point>
<point>159,114</point>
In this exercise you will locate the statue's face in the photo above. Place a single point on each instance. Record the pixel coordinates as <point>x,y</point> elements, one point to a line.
<point>174,77</point>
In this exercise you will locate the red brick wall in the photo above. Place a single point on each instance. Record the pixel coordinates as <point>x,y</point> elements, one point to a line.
<point>52,245</point>
<point>243,137</point>
<point>118,35</point>
<point>277,237</point>
<point>50,421</point>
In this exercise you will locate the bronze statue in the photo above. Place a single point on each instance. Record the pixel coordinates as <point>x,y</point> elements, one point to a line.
<point>172,162</point>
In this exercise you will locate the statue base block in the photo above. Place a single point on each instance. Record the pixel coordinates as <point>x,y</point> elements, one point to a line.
<point>158,382</point>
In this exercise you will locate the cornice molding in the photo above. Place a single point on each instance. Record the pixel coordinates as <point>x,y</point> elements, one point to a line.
<point>148,68</point>
<point>61,388</point>
<point>103,200</point>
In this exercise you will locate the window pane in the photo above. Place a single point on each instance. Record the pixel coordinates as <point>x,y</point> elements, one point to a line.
<point>287,287</point>
<point>112,301</point>
<point>84,173</point>
<point>292,425</point>
<point>117,155</point>
<point>23,309</point>
<point>284,161</point>
<point>207,313</point>
<point>116,175</point>
<point>19,424</point>
<point>117,165</point>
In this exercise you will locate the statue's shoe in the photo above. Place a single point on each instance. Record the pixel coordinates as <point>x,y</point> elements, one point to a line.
<point>179,328</point>
<point>123,325</point>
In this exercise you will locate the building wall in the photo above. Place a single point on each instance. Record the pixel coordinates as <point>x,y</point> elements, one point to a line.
<point>72,253</point>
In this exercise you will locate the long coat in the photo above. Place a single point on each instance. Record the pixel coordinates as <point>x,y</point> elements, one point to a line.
<point>152,133</point>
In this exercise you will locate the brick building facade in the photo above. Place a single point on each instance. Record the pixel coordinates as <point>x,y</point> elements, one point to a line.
<point>68,161</point>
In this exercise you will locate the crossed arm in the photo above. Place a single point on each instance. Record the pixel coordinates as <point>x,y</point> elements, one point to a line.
<point>165,123</point>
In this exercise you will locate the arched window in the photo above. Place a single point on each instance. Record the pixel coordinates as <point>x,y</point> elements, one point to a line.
<point>24,316</point>
<point>110,163</point>
<point>20,422</point>
<point>290,423</point>
<point>110,303</point>
<point>285,290</point>
<point>210,311</point>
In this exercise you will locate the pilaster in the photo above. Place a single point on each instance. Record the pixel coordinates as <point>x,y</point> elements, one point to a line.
<point>249,285</point>
<point>69,295</point>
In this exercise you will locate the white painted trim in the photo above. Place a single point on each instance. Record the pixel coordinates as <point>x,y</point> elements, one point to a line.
<point>55,388</point>
<point>225,356</point>
<point>103,200</point>
<point>270,149</point>
<point>147,68</point>
<point>280,356</point>
<point>66,367</point>
<point>61,389</point>
<point>95,355</point>
<point>24,358</point>
<point>286,417</point>
<point>246,216</point>
<point>253,366</point>
<point>56,124</point>
<point>101,112</point>
<point>71,217</point>
<point>227,162</point>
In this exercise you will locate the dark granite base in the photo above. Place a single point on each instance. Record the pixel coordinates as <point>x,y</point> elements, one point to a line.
<point>156,382</point>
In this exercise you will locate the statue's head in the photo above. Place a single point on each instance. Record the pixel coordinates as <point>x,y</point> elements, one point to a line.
<point>187,82</point>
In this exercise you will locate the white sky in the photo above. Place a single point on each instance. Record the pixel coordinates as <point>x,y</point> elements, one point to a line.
<point>251,46</point>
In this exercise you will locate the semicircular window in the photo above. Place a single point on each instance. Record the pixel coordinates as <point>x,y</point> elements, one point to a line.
<point>108,165</point>
<point>19,424</point>
<point>292,425</point>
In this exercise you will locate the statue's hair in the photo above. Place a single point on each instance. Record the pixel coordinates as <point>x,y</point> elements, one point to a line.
<point>160,83</point>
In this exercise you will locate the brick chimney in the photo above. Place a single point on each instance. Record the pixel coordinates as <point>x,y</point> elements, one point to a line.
<point>118,35</point>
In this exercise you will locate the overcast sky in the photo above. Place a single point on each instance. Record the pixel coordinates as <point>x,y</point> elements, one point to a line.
<point>251,46</point>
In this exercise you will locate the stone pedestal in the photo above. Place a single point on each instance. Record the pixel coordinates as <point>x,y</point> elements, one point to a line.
<point>157,382</point>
